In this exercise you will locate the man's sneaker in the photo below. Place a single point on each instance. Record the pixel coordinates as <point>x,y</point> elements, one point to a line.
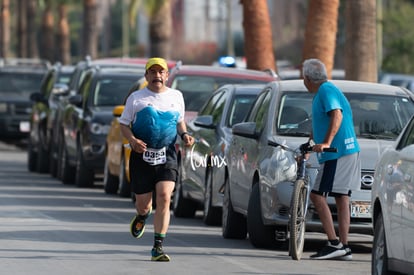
<point>348,255</point>
<point>330,251</point>
<point>137,225</point>
<point>158,255</point>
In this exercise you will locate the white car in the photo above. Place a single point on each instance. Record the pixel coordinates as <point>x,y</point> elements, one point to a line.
<point>393,207</point>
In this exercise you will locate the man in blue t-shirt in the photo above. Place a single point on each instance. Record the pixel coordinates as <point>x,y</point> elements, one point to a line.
<point>339,173</point>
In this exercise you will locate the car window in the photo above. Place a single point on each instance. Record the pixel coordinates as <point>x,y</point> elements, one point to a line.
<point>20,84</point>
<point>258,112</point>
<point>379,115</point>
<point>210,104</point>
<point>294,114</point>
<point>197,89</point>
<point>239,108</point>
<point>408,137</point>
<point>111,92</point>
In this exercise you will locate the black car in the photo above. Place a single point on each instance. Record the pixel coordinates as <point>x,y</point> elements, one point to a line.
<point>86,120</point>
<point>18,79</point>
<point>43,118</point>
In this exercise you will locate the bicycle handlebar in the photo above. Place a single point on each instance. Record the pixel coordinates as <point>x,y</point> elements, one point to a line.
<point>305,148</point>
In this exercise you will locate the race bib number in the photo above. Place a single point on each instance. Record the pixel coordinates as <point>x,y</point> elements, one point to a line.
<point>155,156</point>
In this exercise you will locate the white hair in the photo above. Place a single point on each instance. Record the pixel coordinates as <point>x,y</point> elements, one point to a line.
<point>314,70</point>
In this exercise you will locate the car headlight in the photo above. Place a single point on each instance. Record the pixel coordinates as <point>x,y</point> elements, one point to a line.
<point>99,129</point>
<point>3,107</point>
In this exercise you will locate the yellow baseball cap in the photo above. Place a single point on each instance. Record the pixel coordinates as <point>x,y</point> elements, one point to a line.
<point>156,61</point>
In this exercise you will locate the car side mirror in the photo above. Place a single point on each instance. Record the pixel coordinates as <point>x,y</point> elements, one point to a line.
<point>205,121</point>
<point>60,90</point>
<point>245,129</point>
<point>76,100</point>
<point>117,111</point>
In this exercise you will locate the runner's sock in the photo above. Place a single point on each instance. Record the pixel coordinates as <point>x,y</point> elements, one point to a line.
<point>158,239</point>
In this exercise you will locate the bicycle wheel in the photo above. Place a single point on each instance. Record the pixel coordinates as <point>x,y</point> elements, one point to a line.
<point>297,220</point>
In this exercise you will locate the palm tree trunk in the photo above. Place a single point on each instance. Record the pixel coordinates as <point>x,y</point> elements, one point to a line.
<point>32,48</point>
<point>63,35</point>
<point>22,28</point>
<point>90,31</point>
<point>5,29</point>
<point>320,33</point>
<point>47,39</point>
<point>360,50</point>
<point>160,29</point>
<point>258,46</point>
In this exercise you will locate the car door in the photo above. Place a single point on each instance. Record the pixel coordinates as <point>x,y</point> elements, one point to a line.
<point>405,195</point>
<point>244,154</point>
<point>205,129</point>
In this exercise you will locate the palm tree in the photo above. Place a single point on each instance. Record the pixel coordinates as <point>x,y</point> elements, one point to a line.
<point>160,24</point>
<point>5,28</point>
<point>22,28</point>
<point>258,46</point>
<point>63,34</point>
<point>47,38</point>
<point>320,32</point>
<point>360,49</point>
<point>90,30</point>
<point>32,49</point>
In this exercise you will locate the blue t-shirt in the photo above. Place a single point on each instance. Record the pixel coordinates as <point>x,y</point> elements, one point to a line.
<point>329,98</point>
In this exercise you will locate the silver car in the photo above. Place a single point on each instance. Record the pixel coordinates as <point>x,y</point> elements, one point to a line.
<point>259,183</point>
<point>393,207</point>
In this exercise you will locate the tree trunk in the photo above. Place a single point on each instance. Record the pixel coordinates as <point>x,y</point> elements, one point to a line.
<point>22,28</point>
<point>32,48</point>
<point>258,46</point>
<point>160,29</point>
<point>90,29</point>
<point>320,33</point>
<point>63,35</point>
<point>360,50</point>
<point>47,39</point>
<point>5,29</point>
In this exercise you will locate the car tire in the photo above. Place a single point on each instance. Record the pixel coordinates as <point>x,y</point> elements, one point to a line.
<point>124,185</point>
<point>53,160</point>
<point>234,225</point>
<point>31,158</point>
<point>379,261</point>
<point>67,172</point>
<point>85,176</point>
<point>211,215</point>
<point>260,235</point>
<point>42,160</point>
<point>182,207</point>
<point>110,181</point>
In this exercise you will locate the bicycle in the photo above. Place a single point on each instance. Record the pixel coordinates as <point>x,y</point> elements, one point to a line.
<point>300,198</point>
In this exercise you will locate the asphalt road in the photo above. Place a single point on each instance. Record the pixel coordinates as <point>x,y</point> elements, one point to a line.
<point>50,228</point>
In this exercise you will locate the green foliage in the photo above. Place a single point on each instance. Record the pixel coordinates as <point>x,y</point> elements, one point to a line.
<point>398,37</point>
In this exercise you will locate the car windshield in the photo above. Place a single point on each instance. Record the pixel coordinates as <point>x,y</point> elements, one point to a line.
<point>20,84</point>
<point>197,89</point>
<point>111,92</point>
<point>375,116</point>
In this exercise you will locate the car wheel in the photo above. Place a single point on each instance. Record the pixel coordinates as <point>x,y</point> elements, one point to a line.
<point>84,175</point>
<point>182,207</point>
<point>53,160</point>
<point>260,235</point>
<point>42,162</point>
<point>31,158</point>
<point>211,214</point>
<point>67,172</point>
<point>379,263</point>
<point>124,185</point>
<point>110,181</point>
<point>233,224</point>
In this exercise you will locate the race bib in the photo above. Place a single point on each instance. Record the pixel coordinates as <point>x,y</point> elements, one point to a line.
<point>155,156</point>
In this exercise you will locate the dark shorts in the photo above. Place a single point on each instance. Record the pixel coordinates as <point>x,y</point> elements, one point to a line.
<point>144,177</point>
<point>339,177</point>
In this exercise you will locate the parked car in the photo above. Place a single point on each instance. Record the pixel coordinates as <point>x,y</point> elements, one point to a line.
<point>197,82</point>
<point>402,80</point>
<point>202,166</point>
<point>72,89</point>
<point>43,118</point>
<point>393,207</point>
<point>19,77</point>
<point>86,120</point>
<point>258,188</point>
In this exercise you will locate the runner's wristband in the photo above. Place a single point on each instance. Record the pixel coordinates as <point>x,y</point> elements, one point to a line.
<point>184,133</point>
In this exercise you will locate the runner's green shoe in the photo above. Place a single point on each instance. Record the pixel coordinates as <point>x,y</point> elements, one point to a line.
<point>158,255</point>
<point>137,225</point>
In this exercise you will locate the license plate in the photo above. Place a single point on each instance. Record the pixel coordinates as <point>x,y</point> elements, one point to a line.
<point>24,126</point>
<point>360,209</point>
